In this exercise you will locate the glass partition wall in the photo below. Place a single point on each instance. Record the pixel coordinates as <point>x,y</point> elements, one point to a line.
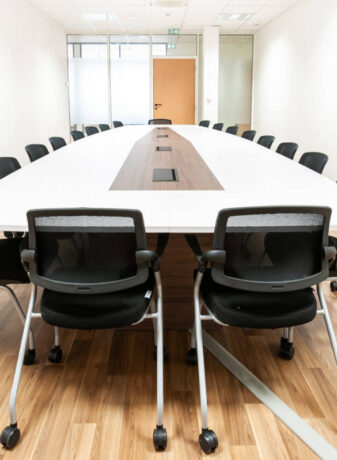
<point>110,76</point>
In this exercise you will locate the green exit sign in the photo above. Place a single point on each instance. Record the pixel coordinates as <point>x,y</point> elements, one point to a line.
<point>173,31</point>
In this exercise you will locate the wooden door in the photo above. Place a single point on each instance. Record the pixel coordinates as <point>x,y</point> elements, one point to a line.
<point>174,90</point>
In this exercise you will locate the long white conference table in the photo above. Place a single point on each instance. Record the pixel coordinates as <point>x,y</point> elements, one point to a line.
<point>93,172</point>
<point>82,173</point>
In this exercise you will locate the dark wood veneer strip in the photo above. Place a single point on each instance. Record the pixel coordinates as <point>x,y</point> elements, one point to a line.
<point>137,171</point>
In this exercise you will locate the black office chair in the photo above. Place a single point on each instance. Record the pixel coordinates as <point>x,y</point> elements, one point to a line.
<point>266,141</point>
<point>36,151</point>
<point>160,121</point>
<point>262,266</point>
<point>90,130</point>
<point>77,135</point>
<point>104,127</point>
<point>8,165</point>
<point>12,272</point>
<point>57,142</point>
<point>232,130</point>
<point>96,273</point>
<point>204,123</point>
<point>117,124</point>
<point>249,134</point>
<point>287,149</point>
<point>314,160</point>
<point>218,126</point>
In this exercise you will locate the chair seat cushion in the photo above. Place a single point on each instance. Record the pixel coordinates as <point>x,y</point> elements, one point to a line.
<point>11,269</point>
<point>258,309</point>
<point>97,311</point>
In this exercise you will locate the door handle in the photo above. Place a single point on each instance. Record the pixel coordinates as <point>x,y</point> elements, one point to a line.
<point>156,106</point>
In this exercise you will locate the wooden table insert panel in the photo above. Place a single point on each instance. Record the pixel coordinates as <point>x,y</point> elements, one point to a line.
<point>137,170</point>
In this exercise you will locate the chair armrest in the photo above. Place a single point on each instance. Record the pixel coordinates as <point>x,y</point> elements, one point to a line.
<point>148,256</point>
<point>27,257</point>
<point>329,253</point>
<point>217,256</point>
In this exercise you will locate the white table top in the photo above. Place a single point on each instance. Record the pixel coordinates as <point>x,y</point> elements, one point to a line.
<point>81,173</point>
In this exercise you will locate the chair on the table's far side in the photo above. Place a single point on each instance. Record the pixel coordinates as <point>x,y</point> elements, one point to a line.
<point>249,134</point>
<point>8,165</point>
<point>77,135</point>
<point>287,149</point>
<point>160,121</point>
<point>314,160</point>
<point>91,130</point>
<point>117,124</point>
<point>104,127</point>
<point>204,123</point>
<point>262,266</point>
<point>57,142</point>
<point>106,280</point>
<point>266,141</point>
<point>232,130</point>
<point>218,126</point>
<point>36,151</point>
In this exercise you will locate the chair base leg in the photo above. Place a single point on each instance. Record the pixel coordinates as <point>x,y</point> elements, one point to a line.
<point>29,357</point>
<point>55,354</point>
<point>192,357</point>
<point>208,441</point>
<point>159,438</point>
<point>10,436</point>
<point>287,349</point>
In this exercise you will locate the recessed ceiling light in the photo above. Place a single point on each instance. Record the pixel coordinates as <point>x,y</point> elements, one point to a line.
<point>235,17</point>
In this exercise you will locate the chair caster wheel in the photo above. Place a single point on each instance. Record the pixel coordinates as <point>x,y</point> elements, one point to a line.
<point>29,357</point>
<point>165,352</point>
<point>192,357</point>
<point>55,354</point>
<point>333,286</point>
<point>10,436</point>
<point>287,350</point>
<point>159,438</point>
<point>208,441</point>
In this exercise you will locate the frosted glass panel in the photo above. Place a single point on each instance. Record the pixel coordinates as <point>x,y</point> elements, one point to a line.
<point>88,82</point>
<point>235,79</point>
<point>130,79</point>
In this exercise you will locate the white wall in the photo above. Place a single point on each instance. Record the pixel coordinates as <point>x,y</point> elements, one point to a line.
<point>295,79</point>
<point>210,73</point>
<point>33,75</point>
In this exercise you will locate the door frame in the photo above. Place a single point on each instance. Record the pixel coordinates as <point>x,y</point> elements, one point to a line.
<point>196,79</point>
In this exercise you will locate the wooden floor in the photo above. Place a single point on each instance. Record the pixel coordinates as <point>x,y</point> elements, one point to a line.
<point>100,402</point>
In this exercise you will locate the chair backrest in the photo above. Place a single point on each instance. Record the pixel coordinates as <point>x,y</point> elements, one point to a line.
<point>287,149</point>
<point>314,160</point>
<point>86,251</point>
<point>57,142</point>
<point>249,134</point>
<point>218,126</point>
<point>160,121</point>
<point>272,249</point>
<point>266,141</point>
<point>232,130</point>
<point>117,124</point>
<point>104,127</point>
<point>204,123</point>
<point>36,151</point>
<point>77,135</point>
<point>8,165</point>
<point>90,130</point>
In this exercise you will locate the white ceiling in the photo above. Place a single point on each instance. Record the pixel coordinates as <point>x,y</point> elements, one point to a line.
<point>143,16</point>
